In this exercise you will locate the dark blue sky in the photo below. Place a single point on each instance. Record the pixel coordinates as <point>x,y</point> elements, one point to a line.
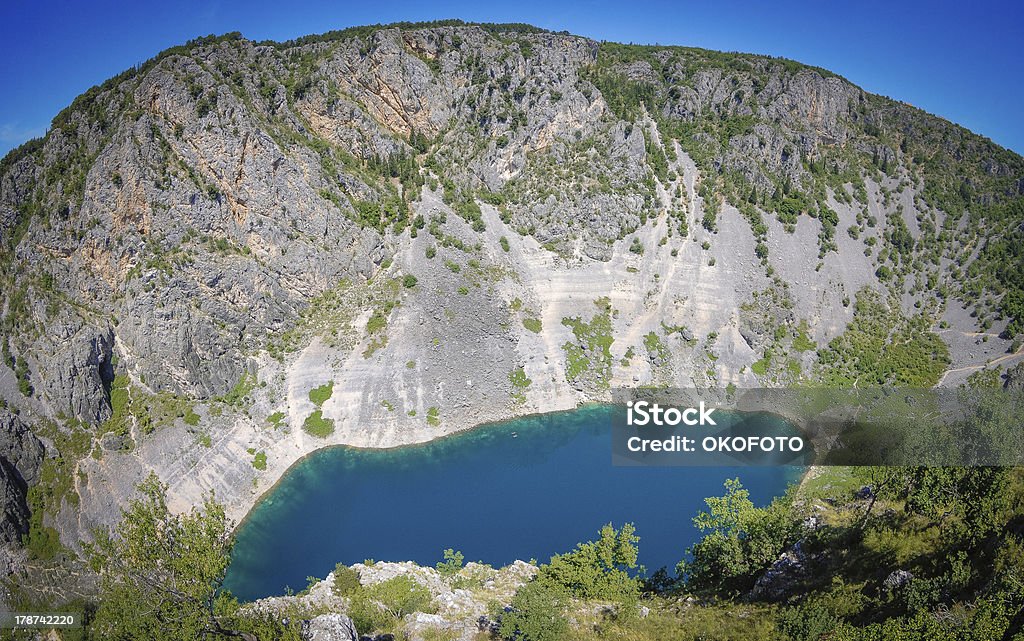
<point>960,60</point>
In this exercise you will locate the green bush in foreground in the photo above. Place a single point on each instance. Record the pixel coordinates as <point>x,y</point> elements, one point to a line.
<point>346,580</point>
<point>537,614</point>
<point>161,576</point>
<point>597,569</point>
<point>739,543</point>
<point>382,606</point>
<point>452,563</point>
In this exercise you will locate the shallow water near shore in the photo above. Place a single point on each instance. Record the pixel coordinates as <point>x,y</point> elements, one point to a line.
<point>522,489</point>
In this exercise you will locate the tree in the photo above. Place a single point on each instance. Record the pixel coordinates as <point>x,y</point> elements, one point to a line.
<point>597,569</point>
<point>452,563</point>
<point>537,613</point>
<point>968,500</point>
<point>741,541</point>
<point>161,573</point>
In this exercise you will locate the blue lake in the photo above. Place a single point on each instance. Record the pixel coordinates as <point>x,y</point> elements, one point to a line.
<point>527,488</point>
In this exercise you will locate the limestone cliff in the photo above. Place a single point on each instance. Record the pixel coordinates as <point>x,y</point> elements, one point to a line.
<point>446,224</point>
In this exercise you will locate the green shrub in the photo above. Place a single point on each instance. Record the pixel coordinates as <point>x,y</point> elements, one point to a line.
<point>259,461</point>
<point>537,613</point>
<point>518,378</point>
<point>319,395</point>
<point>316,425</point>
<point>739,543</point>
<point>383,605</point>
<point>239,394</point>
<point>346,580</point>
<point>409,281</point>
<point>533,324</point>
<point>597,569</point>
<point>376,323</point>
<point>451,564</point>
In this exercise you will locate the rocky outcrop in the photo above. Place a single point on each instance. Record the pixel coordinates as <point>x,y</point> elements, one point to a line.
<point>783,577</point>
<point>14,511</point>
<point>460,601</point>
<point>898,579</point>
<point>329,627</point>
<point>21,455</point>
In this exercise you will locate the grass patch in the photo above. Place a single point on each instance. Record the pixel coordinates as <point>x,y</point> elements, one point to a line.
<point>239,394</point>
<point>761,367</point>
<point>655,346</point>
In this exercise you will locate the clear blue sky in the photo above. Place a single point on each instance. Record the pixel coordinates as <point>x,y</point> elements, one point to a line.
<point>963,61</point>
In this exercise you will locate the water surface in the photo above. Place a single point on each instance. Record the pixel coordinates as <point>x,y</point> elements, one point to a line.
<point>523,489</point>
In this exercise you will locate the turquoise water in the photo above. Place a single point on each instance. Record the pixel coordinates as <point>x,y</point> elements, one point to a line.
<point>523,489</point>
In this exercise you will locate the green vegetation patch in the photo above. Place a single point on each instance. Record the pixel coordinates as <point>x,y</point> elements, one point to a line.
<point>534,325</point>
<point>259,460</point>
<point>655,346</point>
<point>238,396</point>
<point>802,341</point>
<point>519,382</point>
<point>591,354</point>
<point>317,425</point>
<point>331,316</point>
<point>319,395</point>
<point>882,347</point>
<point>131,406</point>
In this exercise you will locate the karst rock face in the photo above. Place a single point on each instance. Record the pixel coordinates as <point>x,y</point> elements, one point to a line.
<point>198,242</point>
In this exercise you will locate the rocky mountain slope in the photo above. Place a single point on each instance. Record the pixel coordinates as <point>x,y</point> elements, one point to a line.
<point>239,252</point>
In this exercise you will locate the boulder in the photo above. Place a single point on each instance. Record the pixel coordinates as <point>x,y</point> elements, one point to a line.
<point>779,580</point>
<point>897,579</point>
<point>329,627</point>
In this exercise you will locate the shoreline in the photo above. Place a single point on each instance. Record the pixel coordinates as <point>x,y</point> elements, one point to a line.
<point>396,446</point>
<point>265,494</point>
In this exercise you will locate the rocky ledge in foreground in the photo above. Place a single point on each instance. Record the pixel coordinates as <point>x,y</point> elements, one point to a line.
<point>460,602</point>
